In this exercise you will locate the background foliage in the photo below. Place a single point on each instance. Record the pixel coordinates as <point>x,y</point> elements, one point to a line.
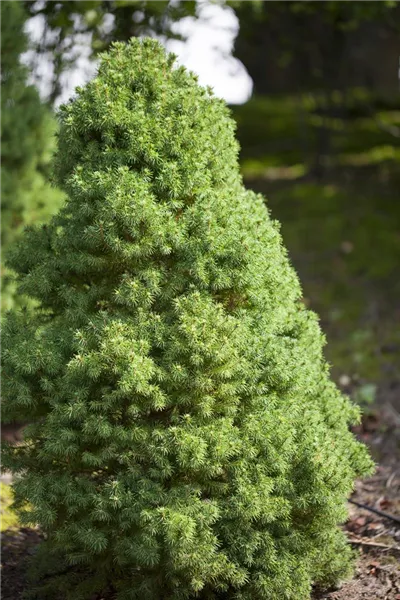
<point>27,143</point>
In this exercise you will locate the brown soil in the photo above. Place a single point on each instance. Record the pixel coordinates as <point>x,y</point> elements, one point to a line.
<point>17,547</point>
<point>377,539</point>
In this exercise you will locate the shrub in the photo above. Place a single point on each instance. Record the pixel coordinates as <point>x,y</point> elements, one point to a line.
<point>186,439</point>
<point>27,140</point>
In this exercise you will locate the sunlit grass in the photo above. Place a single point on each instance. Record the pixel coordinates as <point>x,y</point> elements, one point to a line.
<point>9,518</point>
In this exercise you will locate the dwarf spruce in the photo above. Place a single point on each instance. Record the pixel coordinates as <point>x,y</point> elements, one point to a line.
<point>185,440</point>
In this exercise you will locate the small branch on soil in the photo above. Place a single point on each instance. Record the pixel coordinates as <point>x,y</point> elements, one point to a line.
<point>391,479</point>
<point>359,542</point>
<point>376,511</point>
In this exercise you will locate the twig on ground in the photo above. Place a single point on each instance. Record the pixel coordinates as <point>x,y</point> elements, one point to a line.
<point>391,479</point>
<point>375,510</point>
<point>361,542</point>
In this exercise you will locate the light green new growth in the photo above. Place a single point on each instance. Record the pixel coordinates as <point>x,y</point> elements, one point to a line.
<point>187,440</point>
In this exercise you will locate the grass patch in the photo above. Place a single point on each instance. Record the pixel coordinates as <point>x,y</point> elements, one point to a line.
<point>9,518</point>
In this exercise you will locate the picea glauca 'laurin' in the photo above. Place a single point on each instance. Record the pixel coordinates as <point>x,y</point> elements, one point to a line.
<point>186,439</point>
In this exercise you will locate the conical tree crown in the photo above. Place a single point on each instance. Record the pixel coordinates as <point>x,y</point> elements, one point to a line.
<point>187,441</point>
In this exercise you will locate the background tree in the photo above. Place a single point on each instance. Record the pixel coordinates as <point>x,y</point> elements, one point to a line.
<point>102,22</point>
<point>27,132</point>
<point>186,437</point>
<point>286,47</point>
<point>326,49</point>
<point>309,46</point>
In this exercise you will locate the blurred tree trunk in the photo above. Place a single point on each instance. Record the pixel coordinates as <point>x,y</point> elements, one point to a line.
<point>297,52</point>
<point>274,45</point>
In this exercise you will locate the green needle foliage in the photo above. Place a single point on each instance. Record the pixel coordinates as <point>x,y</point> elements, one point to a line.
<point>27,139</point>
<point>187,441</point>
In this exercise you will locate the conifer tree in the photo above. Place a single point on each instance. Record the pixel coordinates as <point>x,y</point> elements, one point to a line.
<point>187,441</point>
<point>27,143</point>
